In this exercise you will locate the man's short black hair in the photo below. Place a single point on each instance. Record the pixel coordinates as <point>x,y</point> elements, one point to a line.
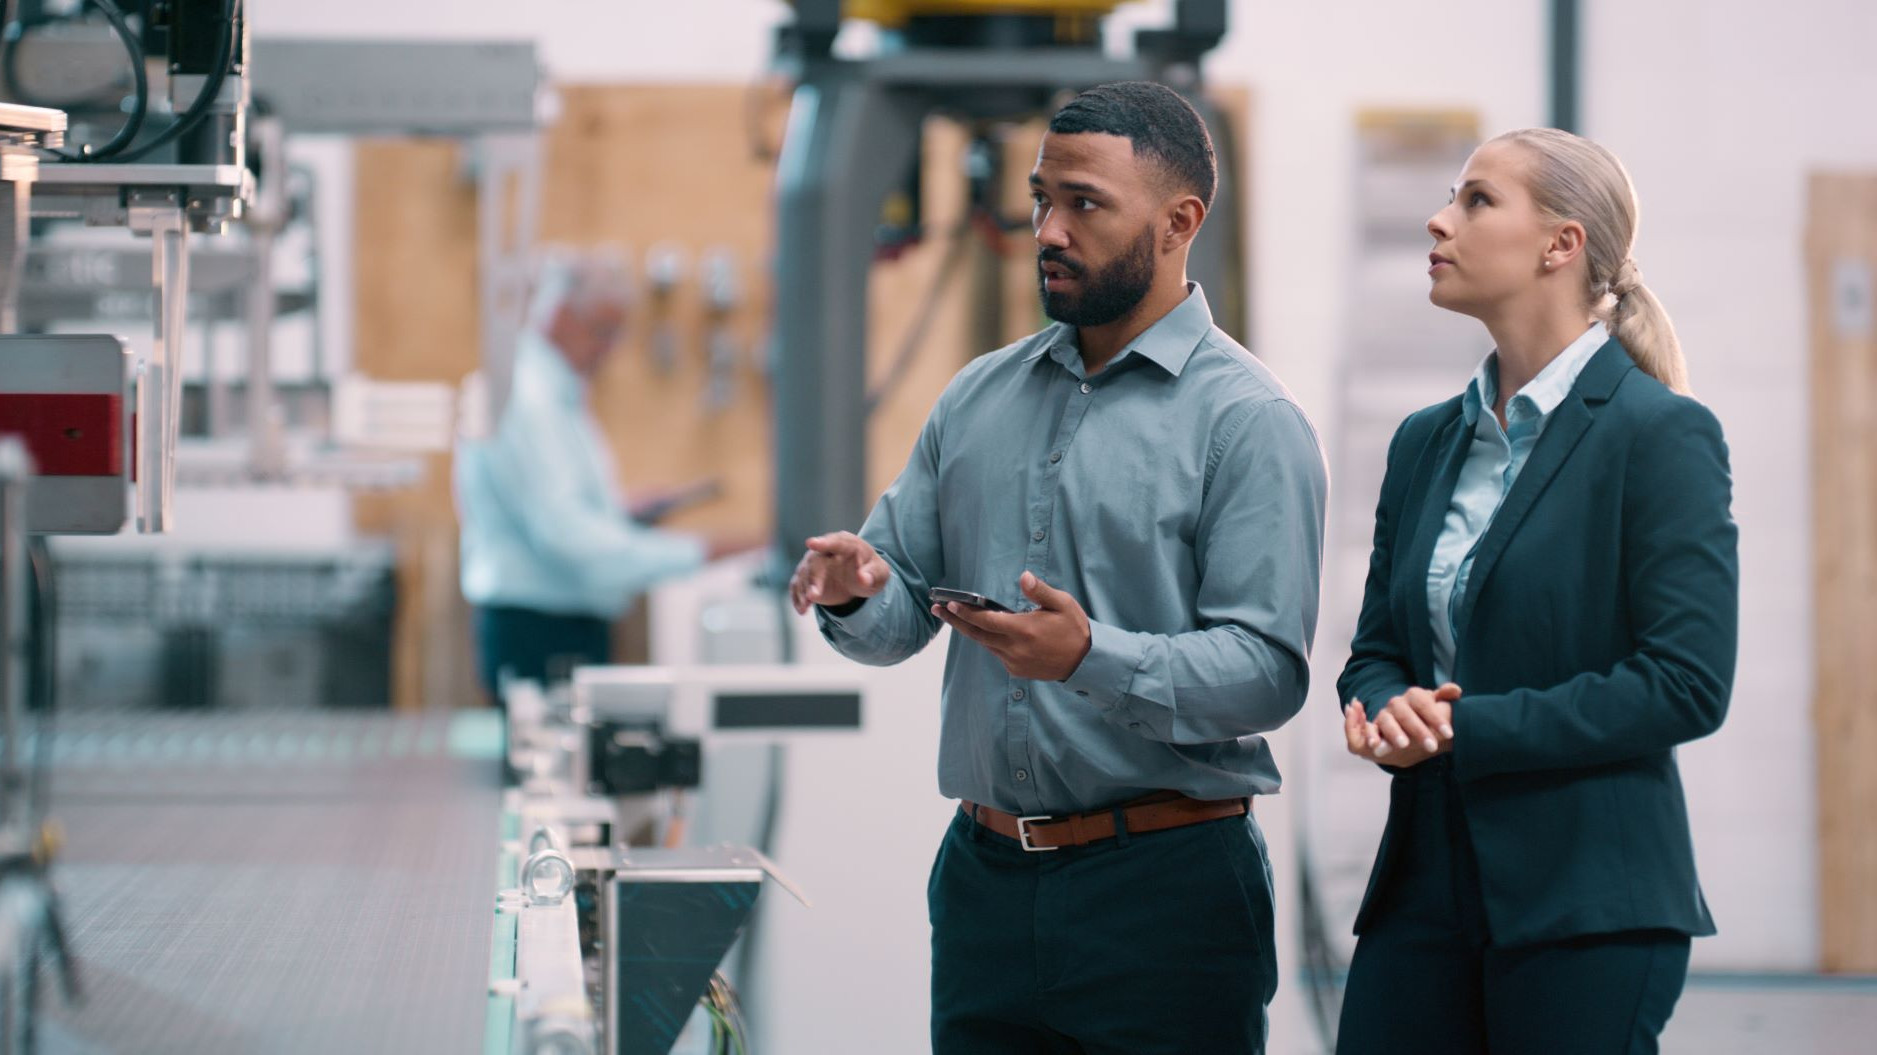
<point>1162,126</point>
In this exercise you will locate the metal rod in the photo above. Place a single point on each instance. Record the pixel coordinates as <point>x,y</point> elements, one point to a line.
<point>15,810</point>
<point>268,214</point>
<point>159,388</point>
<point>1565,24</point>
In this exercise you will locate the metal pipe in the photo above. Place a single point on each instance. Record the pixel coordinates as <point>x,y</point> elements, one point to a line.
<point>1565,24</point>
<point>159,385</point>
<point>15,811</point>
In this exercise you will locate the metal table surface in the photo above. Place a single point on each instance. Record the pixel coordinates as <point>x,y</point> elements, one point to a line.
<point>280,883</point>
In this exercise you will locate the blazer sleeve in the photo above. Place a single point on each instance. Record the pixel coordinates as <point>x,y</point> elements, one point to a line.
<point>1379,665</point>
<point>1681,586</point>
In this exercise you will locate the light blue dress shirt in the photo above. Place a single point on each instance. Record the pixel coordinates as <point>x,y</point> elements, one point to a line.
<point>1178,496</point>
<point>1493,461</point>
<point>544,526</point>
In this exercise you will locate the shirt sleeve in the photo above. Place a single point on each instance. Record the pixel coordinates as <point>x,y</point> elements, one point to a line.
<point>1259,548</point>
<point>1682,592</point>
<point>903,528</point>
<point>535,466</point>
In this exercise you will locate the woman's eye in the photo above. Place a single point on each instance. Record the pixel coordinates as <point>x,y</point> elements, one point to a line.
<point>1476,198</point>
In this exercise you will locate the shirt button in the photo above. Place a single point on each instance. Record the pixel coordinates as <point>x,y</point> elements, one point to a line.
<point>1087,388</point>
<point>1054,457</point>
<point>1037,535</point>
<point>1022,775</point>
<point>1017,695</point>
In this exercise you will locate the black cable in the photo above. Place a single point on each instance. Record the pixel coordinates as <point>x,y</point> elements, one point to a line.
<point>133,49</point>
<point>948,269</point>
<point>199,107</point>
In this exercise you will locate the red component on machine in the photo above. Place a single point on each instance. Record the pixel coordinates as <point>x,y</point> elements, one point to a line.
<point>68,433</point>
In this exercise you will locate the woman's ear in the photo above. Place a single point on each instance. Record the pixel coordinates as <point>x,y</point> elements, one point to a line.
<point>1567,243</point>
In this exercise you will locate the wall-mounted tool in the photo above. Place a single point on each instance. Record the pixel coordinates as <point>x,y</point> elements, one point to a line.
<point>665,267</point>
<point>722,296</point>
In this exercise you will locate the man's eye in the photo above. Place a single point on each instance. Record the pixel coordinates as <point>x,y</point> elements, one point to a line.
<point>1084,204</point>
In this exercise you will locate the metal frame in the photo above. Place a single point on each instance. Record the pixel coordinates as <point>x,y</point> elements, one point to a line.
<point>853,128</point>
<point>486,91</point>
<point>165,202</point>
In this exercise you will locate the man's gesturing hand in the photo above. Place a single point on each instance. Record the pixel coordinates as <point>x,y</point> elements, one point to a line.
<point>837,568</point>
<point>1045,644</point>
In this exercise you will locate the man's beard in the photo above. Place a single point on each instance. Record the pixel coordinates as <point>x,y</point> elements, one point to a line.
<point>1105,295</point>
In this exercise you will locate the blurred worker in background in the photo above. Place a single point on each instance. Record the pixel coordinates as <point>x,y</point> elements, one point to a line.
<point>550,553</point>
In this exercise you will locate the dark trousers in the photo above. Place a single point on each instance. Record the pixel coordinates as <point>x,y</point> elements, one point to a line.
<point>1149,943</point>
<point>536,645</point>
<point>1426,977</point>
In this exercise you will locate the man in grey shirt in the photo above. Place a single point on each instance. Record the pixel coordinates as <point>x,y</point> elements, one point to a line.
<point>1148,499</point>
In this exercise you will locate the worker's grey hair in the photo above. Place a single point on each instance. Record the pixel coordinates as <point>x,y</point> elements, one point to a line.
<point>578,277</point>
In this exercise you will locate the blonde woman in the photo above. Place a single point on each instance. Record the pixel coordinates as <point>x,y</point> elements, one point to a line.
<point>1550,609</point>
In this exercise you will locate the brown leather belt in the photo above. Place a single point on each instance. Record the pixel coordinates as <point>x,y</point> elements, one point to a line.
<point>1157,812</point>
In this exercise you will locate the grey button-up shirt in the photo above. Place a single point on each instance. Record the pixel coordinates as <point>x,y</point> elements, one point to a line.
<point>1178,496</point>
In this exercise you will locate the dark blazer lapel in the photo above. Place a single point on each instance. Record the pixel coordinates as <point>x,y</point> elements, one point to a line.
<point>1431,492</point>
<point>1567,425</point>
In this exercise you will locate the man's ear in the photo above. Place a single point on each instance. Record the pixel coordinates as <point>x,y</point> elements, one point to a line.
<point>1184,216</point>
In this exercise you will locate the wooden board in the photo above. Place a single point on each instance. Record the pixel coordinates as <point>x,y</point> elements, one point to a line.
<point>634,167</point>
<point>1841,260</point>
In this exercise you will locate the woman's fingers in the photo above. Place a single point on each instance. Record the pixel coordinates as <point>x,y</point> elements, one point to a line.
<point>1388,727</point>
<point>1404,709</point>
<point>1355,728</point>
<point>1434,713</point>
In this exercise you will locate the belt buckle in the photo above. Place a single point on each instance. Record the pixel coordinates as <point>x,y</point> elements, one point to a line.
<point>1023,834</point>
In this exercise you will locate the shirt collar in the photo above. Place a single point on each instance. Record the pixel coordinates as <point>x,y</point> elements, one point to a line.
<point>536,357</point>
<point>1169,343</point>
<point>1542,394</point>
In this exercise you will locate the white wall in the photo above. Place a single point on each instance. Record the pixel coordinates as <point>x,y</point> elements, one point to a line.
<point>1719,109</point>
<point>581,40</point>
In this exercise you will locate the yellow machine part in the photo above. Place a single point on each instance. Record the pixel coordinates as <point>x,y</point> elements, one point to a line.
<point>894,13</point>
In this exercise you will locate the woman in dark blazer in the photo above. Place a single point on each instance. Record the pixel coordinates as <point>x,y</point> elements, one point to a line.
<point>1550,610</point>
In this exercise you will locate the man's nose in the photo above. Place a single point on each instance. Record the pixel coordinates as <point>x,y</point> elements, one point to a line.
<point>1050,234</point>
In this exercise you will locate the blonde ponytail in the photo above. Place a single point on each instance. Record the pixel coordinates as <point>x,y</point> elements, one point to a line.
<point>1575,179</point>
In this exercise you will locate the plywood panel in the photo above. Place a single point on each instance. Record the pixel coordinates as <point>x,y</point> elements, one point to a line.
<point>415,268</point>
<point>1842,258</point>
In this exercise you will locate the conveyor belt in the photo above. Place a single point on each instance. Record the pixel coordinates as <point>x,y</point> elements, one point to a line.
<point>307,883</point>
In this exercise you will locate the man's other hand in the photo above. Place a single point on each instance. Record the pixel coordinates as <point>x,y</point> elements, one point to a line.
<point>1045,644</point>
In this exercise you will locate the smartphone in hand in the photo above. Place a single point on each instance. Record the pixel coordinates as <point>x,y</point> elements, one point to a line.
<point>940,595</point>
